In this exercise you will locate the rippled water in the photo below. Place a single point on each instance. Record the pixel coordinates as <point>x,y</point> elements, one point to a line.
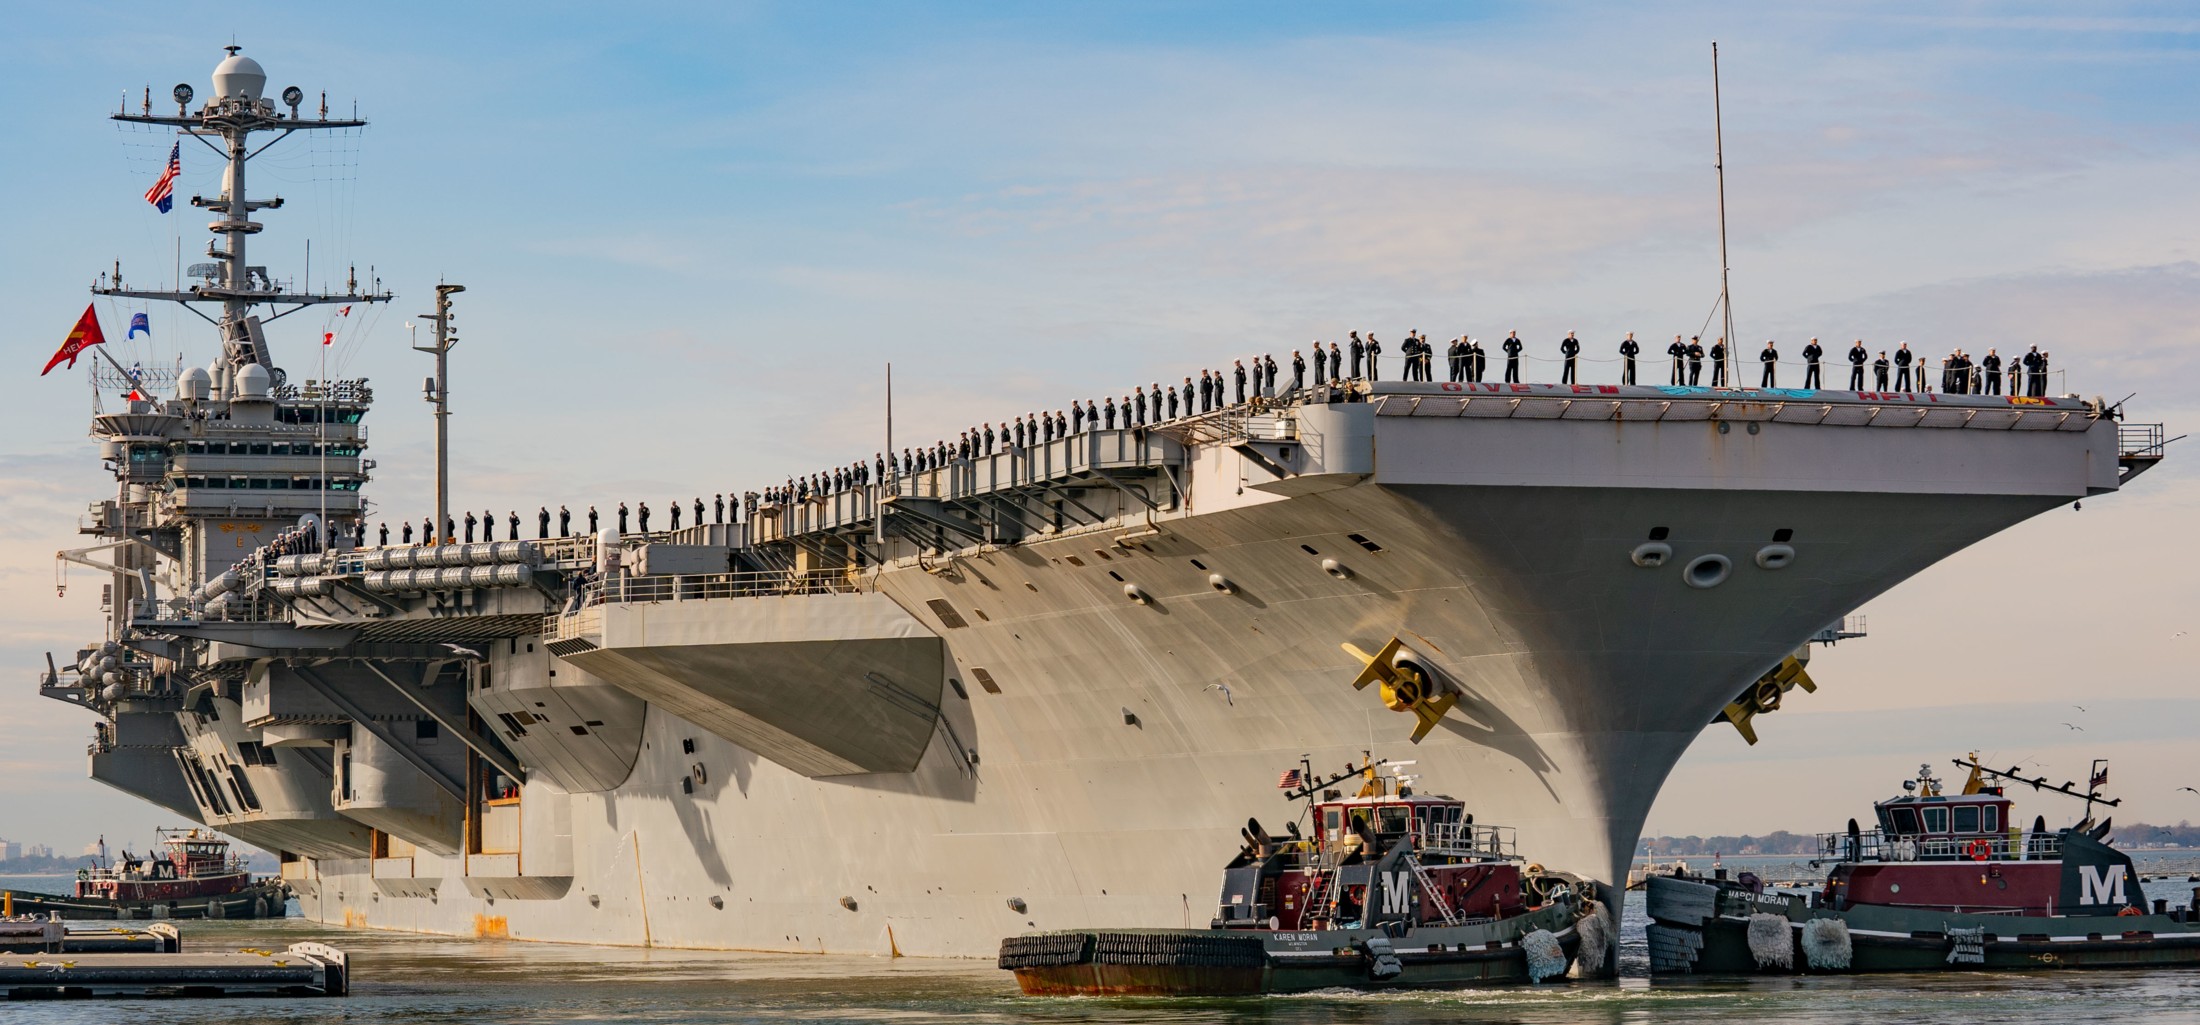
<point>402,978</point>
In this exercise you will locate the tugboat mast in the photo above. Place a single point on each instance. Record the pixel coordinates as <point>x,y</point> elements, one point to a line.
<point>233,116</point>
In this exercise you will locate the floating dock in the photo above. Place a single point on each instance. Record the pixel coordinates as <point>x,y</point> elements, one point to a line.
<point>302,969</point>
<point>55,936</point>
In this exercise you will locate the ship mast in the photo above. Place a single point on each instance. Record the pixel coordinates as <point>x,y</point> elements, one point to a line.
<point>226,124</point>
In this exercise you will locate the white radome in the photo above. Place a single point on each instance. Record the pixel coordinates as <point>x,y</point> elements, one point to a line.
<point>239,77</point>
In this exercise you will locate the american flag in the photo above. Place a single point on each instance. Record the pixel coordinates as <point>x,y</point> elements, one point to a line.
<point>2100,776</point>
<point>163,192</point>
<point>1291,780</point>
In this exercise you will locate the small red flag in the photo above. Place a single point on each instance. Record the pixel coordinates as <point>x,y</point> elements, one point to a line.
<point>84,335</point>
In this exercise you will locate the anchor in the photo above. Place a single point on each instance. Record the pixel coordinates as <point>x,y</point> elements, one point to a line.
<point>1407,685</point>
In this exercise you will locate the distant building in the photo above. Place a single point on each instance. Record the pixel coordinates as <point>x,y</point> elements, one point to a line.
<point>7,850</point>
<point>38,850</point>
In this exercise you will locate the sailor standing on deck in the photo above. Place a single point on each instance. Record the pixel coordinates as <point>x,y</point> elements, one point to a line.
<point>470,521</point>
<point>565,521</point>
<point>408,532</point>
<point>1718,363</point>
<point>1991,365</point>
<point>1512,349</point>
<point>1455,360</point>
<point>1336,362</point>
<point>1879,371</point>
<point>1628,348</point>
<point>1298,370</point>
<point>542,523</point>
<point>511,519</point>
<point>641,514</point>
<point>1478,361</point>
<point>1695,360</point>
<point>1902,360</point>
<point>1318,361</point>
<point>1569,349</point>
<point>1857,358</point>
<point>1812,373</point>
<point>385,542</point>
<point>1678,350</point>
<point>676,514</point>
<point>1771,359</point>
<point>1374,358</point>
<point>592,521</point>
<point>1359,350</point>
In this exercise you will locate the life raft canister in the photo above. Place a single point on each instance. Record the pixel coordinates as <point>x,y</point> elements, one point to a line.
<point>1979,850</point>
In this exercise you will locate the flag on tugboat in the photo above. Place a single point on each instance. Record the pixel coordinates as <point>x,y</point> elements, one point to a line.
<point>2100,776</point>
<point>163,192</point>
<point>1291,780</point>
<point>139,322</point>
<point>83,336</point>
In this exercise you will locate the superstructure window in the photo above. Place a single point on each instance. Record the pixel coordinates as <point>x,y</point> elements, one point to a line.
<point>1902,820</point>
<point>1966,818</point>
<point>1990,819</point>
<point>1392,819</point>
<point>1936,820</point>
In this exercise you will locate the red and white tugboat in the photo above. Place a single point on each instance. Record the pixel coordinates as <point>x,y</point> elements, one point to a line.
<point>1387,888</point>
<point>196,877</point>
<point>1947,882</point>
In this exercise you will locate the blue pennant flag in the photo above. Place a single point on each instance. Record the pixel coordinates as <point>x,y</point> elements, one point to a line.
<point>138,322</point>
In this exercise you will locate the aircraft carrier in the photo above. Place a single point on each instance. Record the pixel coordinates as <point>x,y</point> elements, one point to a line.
<point>1036,688</point>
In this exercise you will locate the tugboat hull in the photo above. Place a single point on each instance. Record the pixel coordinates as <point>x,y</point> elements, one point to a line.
<point>1214,963</point>
<point>1705,928</point>
<point>260,900</point>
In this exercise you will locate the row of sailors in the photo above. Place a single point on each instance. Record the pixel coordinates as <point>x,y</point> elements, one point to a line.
<point>1903,370</point>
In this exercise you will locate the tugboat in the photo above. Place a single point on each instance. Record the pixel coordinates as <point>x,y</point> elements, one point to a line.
<point>1947,882</point>
<point>1393,889</point>
<point>196,878</point>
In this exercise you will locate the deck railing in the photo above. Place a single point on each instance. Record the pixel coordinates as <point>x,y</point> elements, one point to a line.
<point>1873,845</point>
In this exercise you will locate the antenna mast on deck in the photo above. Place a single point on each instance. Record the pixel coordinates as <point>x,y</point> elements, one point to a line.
<point>232,117</point>
<point>439,393</point>
<point>1718,136</point>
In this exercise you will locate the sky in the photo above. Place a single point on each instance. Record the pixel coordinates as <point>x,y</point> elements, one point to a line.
<point>693,235</point>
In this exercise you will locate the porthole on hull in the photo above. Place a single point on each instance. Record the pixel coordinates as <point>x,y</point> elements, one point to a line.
<point>1775,556</point>
<point>1651,554</point>
<point>1707,571</point>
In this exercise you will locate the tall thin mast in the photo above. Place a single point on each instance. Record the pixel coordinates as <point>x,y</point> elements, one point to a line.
<point>1718,136</point>
<point>439,393</point>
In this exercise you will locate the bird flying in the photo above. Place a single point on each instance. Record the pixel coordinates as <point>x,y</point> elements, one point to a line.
<point>1225,689</point>
<point>2189,788</point>
<point>2074,726</point>
<point>464,652</point>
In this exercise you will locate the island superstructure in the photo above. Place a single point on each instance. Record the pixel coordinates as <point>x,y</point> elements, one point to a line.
<point>1030,689</point>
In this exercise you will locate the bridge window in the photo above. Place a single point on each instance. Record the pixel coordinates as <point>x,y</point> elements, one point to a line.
<point>1966,818</point>
<point>1393,819</point>
<point>1936,820</point>
<point>1989,819</point>
<point>1902,820</point>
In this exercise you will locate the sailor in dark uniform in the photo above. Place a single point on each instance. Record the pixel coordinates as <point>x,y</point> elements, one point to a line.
<point>1106,410</point>
<point>592,521</point>
<point>1359,350</point>
<point>1771,359</point>
<point>1298,371</point>
<point>1512,347</point>
<point>1991,365</point>
<point>1569,349</point>
<point>1172,403</point>
<point>1879,371</point>
<point>1628,348</point>
<point>1319,360</point>
<point>1695,360</point>
<point>1902,360</point>
<point>1455,360</point>
<point>542,523</point>
<point>1478,360</point>
<point>1374,358</point>
<point>1718,363</point>
<point>1679,351</point>
<point>408,531</point>
<point>641,513</point>
<point>565,521</point>
<point>1857,358</point>
<point>470,521</point>
<point>385,534</point>
<point>1336,361</point>
<point>1812,369</point>
<point>676,513</point>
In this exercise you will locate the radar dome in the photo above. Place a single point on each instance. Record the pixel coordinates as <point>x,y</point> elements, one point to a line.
<point>253,382</point>
<point>239,77</point>
<point>195,384</point>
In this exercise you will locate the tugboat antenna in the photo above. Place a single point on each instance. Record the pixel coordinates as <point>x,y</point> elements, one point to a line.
<point>1718,164</point>
<point>2040,783</point>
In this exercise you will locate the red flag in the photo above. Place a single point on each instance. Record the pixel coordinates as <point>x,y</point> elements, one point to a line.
<point>84,335</point>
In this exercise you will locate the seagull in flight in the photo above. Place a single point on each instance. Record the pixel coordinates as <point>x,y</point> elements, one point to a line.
<point>1225,689</point>
<point>2080,708</point>
<point>464,652</point>
<point>2074,726</point>
<point>2189,788</point>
